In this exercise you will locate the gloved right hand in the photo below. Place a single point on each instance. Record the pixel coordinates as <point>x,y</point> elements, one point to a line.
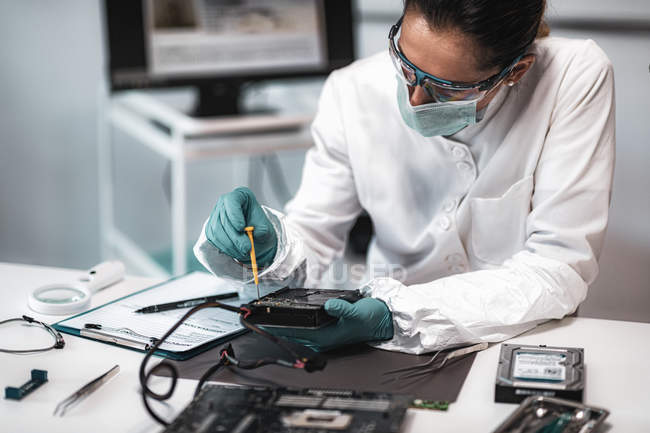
<point>225,228</point>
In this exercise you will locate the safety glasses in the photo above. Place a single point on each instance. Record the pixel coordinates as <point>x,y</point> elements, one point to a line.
<point>58,339</point>
<point>437,88</point>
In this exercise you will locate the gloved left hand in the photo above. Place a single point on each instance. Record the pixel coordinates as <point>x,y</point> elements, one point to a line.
<point>368,319</point>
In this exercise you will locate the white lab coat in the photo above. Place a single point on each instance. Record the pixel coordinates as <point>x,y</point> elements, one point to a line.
<point>496,228</point>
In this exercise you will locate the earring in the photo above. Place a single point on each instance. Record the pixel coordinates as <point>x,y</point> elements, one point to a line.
<point>510,83</point>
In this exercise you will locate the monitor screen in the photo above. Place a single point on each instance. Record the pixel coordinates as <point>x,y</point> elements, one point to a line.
<point>153,43</point>
<point>221,38</point>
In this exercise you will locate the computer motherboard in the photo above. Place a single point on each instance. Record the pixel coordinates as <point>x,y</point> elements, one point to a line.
<point>245,409</point>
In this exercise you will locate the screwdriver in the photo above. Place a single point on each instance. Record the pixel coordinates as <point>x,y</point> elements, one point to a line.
<point>249,232</point>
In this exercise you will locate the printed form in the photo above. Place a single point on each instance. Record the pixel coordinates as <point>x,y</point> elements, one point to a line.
<point>118,318</point>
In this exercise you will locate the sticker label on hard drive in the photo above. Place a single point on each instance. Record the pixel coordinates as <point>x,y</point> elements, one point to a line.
<point>540,366</point>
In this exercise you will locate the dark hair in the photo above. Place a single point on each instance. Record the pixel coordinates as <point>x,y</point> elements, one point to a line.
<point>503,29</point>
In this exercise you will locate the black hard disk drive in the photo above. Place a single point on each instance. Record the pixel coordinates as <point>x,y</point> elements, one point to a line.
<point>296,308</point>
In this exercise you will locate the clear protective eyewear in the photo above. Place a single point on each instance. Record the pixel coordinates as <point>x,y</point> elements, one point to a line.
<point>439,89</point>
<point>58,339</point>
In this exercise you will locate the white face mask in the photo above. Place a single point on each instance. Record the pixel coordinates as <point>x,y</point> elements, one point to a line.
<point>436,118</point>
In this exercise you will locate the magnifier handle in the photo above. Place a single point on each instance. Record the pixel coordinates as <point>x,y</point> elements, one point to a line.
<point>103,275</point>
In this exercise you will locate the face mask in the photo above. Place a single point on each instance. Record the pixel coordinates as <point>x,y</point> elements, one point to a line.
<point>436,118</point>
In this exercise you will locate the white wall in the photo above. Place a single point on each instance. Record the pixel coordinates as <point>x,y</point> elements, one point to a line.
<point>50,66</point>
<point>623,288</point>
<point>599,9</point>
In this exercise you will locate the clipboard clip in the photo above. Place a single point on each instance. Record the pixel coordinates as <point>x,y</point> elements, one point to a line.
<point>122,341</point>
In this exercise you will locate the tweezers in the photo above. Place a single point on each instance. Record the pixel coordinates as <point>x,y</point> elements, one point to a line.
<point>433,364</point>
<point>85,391</point>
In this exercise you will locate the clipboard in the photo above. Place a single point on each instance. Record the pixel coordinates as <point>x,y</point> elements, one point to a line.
<point>121,327</point>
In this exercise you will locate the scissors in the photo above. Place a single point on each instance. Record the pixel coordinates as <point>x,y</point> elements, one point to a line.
<point>85,391</point>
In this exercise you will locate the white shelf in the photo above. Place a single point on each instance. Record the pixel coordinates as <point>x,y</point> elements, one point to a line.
<point>169,132</point>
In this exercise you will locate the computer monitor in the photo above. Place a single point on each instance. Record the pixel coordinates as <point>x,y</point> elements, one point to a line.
<point>219,45</point>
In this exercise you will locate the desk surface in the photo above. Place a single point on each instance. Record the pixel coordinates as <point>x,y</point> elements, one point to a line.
<point>616,355</point>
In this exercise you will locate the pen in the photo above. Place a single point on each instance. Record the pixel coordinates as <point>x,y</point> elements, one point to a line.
<point>249,232</point>
<point>122,341</point>
<point>184,303</point>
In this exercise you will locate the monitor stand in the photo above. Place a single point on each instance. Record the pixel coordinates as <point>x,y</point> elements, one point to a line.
<point>222,98</point>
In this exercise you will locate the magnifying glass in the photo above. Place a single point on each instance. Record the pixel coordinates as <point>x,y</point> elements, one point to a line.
<point>72,297</point>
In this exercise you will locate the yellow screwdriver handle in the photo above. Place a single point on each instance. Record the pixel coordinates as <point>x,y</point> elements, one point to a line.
<point>249,232</point>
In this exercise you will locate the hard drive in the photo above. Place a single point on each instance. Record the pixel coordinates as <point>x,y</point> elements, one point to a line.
<point>546,414</point>
<point>539,371</point>
<point>296,308</point>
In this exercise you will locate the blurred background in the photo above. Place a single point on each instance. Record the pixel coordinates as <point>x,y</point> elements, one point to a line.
<point>78,184</point>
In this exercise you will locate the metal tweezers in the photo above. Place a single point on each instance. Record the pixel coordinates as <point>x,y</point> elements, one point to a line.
<point>434,364</point>
<point>85,391</point>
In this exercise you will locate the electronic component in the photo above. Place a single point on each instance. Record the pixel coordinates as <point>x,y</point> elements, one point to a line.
<point>296,308</point>
<point>548,414</point>
<point>229,408</point>
<point>39,377</point>
<point>539,370</point>
<point>429,404</point>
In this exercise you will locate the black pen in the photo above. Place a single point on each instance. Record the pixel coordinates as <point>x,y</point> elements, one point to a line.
<point>184,303</point>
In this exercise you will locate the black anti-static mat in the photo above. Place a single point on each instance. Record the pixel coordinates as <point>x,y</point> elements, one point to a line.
<point>354,367</point>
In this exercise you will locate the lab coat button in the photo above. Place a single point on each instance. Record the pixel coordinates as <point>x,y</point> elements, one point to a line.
<point>449,205</point>
<point>444,223</point>
<point>458,268</point>
<point>458,152</point>
<point>454,258</point>
<point>462,165</point>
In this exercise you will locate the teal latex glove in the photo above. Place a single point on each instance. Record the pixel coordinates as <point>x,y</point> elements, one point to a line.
<point>225,227</point>
<point>368,319</point>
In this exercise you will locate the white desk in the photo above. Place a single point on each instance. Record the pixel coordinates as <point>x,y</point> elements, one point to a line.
<point>616,355</point>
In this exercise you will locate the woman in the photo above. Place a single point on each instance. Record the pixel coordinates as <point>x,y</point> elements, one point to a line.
<point>483,151</point>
